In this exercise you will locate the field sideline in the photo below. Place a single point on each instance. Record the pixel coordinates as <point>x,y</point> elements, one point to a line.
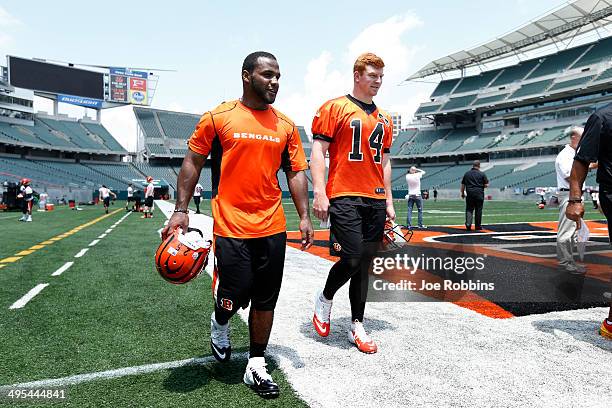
<point>451,212</point>
<point>110,311</point>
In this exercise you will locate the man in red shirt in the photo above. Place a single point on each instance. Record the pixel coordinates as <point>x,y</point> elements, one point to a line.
<point>249,142</point>
<point>357,197</point>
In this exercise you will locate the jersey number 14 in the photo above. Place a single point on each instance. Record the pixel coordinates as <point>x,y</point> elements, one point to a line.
<point>376,141</point>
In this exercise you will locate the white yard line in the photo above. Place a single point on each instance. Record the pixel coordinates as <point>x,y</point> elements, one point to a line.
<point>117,373</point>
<point>62,269</point>
<point>28,296</point>
<point>101,236</point>
<point>81,252</point>
<point>94,242</point>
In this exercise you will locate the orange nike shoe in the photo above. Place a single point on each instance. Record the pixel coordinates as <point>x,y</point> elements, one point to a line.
<point>606,329</point>
<point>359,337</point>
<point>321,317</point>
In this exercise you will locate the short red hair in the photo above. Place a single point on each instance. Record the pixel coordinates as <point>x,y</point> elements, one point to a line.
<point>367,58</point>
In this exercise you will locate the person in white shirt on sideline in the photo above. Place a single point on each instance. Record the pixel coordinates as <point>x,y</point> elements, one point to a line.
<point>148,204</point>
<point>105,194</point>
<point>27,194</point>
<point>566,229</point>
<point>130,198</point>
<point>413,180</point>
<point>197,195</point>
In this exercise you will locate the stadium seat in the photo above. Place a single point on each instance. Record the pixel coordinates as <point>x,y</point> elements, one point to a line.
<point>558,62</point>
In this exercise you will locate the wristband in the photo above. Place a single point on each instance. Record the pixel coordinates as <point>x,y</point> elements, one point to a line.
<point>181,210</point>
<point>575,200</point>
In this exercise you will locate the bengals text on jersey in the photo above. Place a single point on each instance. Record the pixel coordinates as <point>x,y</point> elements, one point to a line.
<point>247,148</point>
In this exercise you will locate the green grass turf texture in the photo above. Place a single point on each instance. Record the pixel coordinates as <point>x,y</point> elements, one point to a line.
<point>112,310</point>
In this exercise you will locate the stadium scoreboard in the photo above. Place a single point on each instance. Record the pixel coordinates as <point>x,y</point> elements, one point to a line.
<point>55,79</point>
<point>128,86</point>
<point>94,89</point>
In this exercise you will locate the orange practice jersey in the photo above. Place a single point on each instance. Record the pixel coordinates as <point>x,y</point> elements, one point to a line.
<point>358,141</point>
<point>247,148</point>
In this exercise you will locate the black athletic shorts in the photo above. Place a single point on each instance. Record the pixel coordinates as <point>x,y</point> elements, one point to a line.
<point>149,202</point>
<point>130,199</point>
<point>196,199</point>
<point>248,270</point>
<point>107,201</point>
<point>355,220</point>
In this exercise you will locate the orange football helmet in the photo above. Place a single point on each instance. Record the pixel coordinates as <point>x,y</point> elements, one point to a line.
<point>182,257</point>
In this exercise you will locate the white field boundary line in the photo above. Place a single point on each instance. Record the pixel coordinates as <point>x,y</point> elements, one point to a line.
<point>63,269</point>
<point>101,236</point>
<point>81,252</point>
<point>38,288</point>
<point>117,373</point>
<point>29,296</point>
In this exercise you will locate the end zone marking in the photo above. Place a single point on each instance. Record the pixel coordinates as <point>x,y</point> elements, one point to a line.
<point>117,373</point>
<point>81,252</point>
<point>63,269</point>
<point>94,242</point>
<point>28,296</point>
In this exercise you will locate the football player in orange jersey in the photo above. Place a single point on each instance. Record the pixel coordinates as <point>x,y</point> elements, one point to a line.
<point>357,198</point>
<point>249,142</point>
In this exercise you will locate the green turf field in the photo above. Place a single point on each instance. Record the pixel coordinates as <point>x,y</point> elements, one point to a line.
<point>452,212</point>
<point>111,310</point>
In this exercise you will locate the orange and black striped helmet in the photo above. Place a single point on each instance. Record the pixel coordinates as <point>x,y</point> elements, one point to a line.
<point>182,257</point>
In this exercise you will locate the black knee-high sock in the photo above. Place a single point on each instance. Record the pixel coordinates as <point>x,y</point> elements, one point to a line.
<point>357,296</point>
<point>339,274</point>
<point>358,289</point>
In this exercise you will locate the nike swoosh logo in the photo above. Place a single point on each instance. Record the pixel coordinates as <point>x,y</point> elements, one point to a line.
<point>219,353</point>
<point>256,379</point>
<point>318,325</point>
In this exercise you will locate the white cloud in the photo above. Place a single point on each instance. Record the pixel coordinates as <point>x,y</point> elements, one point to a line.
<point>7,21</point>
<point>327,77</point>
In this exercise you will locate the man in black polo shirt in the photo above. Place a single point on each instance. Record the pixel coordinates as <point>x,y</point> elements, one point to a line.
<point>474,182</point>
<point>595,146</point>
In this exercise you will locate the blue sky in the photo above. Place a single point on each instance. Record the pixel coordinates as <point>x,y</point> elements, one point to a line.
<point>315,42</point>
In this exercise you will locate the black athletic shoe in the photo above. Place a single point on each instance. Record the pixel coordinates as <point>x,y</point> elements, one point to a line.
<point>259,380</point>
<point>468,227</point>
<point>220,340</point>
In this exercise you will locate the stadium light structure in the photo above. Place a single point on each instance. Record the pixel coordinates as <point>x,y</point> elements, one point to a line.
<point>563,23</point>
